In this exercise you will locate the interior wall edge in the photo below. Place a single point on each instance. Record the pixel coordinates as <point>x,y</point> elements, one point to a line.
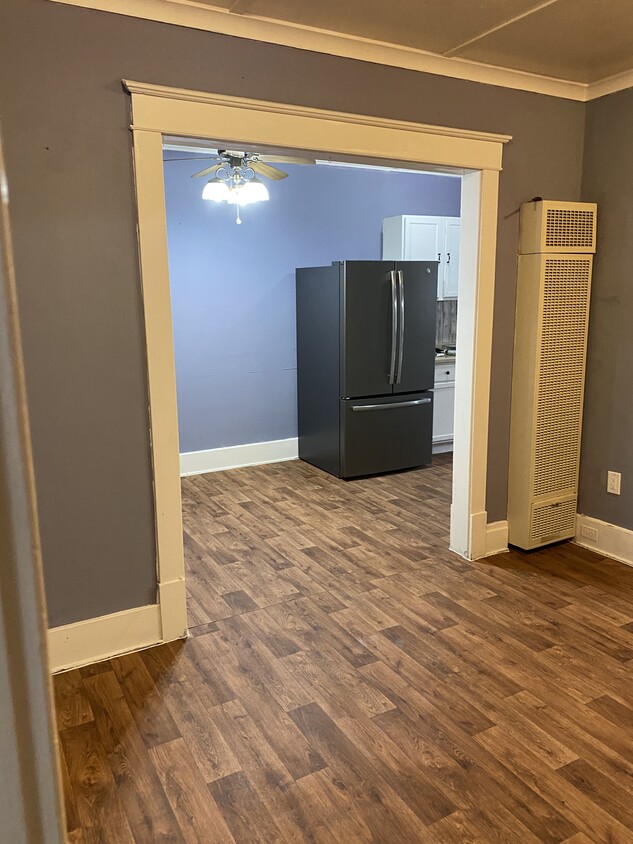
<point>607,179</point>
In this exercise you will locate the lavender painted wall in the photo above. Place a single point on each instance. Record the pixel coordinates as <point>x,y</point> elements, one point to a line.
<point>233,286</point>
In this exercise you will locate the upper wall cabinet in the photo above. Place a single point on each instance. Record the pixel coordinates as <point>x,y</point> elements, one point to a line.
<point>415,238</point>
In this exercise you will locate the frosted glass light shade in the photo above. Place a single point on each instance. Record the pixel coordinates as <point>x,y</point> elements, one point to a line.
<point>253,191</point>
<point>241,194</point>
<point>247,193</point>
<point>216,191</point>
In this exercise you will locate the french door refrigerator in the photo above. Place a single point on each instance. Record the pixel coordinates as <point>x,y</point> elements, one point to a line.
<point>365,365</point>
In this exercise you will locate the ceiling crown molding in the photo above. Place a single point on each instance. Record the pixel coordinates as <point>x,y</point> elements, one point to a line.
<point>197,15</point>
<point>610,85</point>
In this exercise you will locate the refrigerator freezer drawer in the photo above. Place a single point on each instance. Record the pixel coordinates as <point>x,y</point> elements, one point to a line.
<point>385,434</point>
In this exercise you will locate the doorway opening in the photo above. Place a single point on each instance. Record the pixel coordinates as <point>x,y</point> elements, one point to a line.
<point>159,113</point>
<point>242,304</point>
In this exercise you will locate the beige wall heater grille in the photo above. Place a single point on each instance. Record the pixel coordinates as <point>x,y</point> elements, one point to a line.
<point>551,520</point>
<point>552,315</point>
<point>557,227</point>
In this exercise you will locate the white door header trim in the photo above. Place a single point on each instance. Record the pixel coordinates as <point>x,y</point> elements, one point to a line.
<point>251,105</point>
<point>196,114</point>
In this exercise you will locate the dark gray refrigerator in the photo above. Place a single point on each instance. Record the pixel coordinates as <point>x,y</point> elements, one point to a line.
<point>365,365</point>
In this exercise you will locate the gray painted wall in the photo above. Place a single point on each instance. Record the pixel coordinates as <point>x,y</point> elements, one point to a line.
<point>608,421</point>
<point>68,154</point>
<point>31,804</point>
<point>233,287</point>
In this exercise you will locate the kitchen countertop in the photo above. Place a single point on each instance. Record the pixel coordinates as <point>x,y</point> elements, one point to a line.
<point>444,359</point>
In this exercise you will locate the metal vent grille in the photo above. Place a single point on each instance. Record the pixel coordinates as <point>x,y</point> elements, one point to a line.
<point>561,375</point>
<point>568,228</point>
<point>553,520</point>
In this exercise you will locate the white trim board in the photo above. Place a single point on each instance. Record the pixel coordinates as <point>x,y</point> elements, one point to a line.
<point>496,538</point>
<point>612,541</point>
<point>96,639</point>
<point>234,456</point>
<point>198,15</point>
<point>161,110</point>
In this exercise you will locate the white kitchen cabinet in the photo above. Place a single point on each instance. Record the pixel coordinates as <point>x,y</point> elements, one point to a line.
<point>443,406</point>
<point>411,237</point>
<point>451,256</point>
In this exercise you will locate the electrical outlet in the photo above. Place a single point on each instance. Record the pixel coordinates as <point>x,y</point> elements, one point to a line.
<point>613,482</point>
<point>589,532</point>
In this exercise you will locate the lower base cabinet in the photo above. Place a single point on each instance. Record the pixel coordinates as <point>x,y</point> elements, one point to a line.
<point>443,407</point>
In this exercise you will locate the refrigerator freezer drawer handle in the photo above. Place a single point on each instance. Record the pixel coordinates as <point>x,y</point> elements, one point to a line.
<point>358,407</point>
<point>394,327</point>
<point>401,340</point>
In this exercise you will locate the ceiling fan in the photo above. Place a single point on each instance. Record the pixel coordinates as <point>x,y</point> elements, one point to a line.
<point>254,161</point>
<point>233,176</point>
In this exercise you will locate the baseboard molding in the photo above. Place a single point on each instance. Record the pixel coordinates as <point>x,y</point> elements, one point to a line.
<point>96,639</point>
<point>496,538</point>
<point>442,448</point>
<point>612,541</point>
<point>234,456</point>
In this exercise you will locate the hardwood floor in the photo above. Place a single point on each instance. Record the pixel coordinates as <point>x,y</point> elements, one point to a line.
<point>348,679</point>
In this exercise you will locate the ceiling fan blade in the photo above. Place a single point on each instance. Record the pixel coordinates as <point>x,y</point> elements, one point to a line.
<point>192,158</point>
<point>209,171</point>
<point>266,170</point>
<point>285,159</point>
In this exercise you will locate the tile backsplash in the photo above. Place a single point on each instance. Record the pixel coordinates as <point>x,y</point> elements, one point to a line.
<point>446,323</point>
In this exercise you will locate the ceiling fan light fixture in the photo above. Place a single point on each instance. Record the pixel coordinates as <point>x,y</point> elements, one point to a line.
<point>246,193</point>
<point>216,190</point>
<point>253,190</point>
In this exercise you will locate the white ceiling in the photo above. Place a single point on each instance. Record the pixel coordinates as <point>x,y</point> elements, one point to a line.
<point>577,40</point>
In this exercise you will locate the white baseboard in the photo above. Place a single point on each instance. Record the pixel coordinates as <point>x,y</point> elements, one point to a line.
<point>496,538</point>
<point>234,456</point>
<point>612,540</point>
<point>442,448</point>
<point>96,639</point>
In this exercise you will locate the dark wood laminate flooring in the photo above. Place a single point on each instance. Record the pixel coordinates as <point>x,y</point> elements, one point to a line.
<point>348,679</point>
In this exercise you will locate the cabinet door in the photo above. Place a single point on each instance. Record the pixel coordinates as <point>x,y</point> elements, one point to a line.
<point>451,257</point>
<point>423,239</point>
<point>443,412</point>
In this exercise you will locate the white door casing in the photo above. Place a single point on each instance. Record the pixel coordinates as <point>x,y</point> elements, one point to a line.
<point>158,111</point>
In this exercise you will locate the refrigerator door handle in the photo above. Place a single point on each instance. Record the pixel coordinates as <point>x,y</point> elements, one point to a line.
<point>401,340</point>
<point>394,327</point>
<point>388,406</point>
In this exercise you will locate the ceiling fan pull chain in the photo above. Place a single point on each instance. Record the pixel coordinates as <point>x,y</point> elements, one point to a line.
<point>238,219</point>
